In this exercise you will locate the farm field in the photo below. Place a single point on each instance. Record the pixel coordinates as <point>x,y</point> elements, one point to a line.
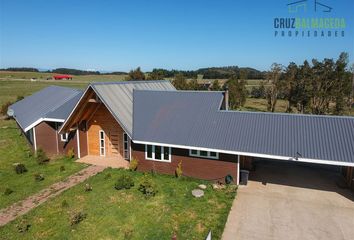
<point>128,214</point>
<point>14,149</point>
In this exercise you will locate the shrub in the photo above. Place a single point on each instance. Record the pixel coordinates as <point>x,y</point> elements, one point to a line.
<point>19,98</point>
<point>88,187</point>
<point>133,165</point>
<point>124,182</point>
<point>147,187</point>
<point>71,153</point>
<point>179,171</point>
<point>107,176</point>
<point>64,204</point>
<point>20,168</point>
<point>23,226</point>
<point>62,169</point>
<point>41,157</point>
<point>38,177</point>
<point>76,218</point>
<point>4,108</point>
<point>8,191</point>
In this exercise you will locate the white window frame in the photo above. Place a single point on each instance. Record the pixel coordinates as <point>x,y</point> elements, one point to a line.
<point>162,153</point>
<point>64,139</point>
<point>104,143</point>
<point>200,156</point>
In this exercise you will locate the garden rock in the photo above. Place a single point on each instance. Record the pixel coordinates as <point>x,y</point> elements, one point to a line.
<point>202,186</point>
<point>197,193</point>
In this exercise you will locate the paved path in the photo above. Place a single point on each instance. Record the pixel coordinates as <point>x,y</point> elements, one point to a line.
<point>291,202</point>
<point>20,208</point>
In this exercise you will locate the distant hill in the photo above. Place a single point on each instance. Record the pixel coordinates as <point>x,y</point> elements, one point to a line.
<point>213,72</point>
<point>207,73</point>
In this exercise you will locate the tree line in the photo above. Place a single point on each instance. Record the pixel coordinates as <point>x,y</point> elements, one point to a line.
<point>316,87</point>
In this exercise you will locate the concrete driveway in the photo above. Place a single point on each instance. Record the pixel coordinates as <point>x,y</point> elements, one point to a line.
<point>291,201</point>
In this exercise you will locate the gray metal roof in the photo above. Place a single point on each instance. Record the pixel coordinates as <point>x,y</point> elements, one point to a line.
<point>52,102</point>
<point>118,97</point>
<point>193,119</point>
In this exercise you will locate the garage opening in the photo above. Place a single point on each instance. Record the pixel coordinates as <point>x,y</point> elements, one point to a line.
<point>296,174</point>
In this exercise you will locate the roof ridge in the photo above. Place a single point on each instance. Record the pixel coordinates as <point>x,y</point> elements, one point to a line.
<point>286,114</point>
<point>180,91</point>
<point>128,82</point>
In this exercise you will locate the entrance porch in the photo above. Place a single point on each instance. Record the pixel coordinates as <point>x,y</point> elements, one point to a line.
<point>113,162</point>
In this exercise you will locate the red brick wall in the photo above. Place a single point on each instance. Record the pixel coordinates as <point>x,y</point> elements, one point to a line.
<point>191,166</point>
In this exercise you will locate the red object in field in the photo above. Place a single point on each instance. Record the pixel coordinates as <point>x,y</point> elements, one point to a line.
<point>61,77</point>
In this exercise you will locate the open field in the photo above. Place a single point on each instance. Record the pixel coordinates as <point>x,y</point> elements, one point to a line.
<point>127,214</point>
<point>10,75</point>
<point>14,149</point>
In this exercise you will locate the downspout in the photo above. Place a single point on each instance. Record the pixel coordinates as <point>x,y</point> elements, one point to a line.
<point>78,141</point>
<point>56,137</point>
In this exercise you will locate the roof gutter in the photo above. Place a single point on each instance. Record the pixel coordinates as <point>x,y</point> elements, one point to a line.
<point>276,157</point>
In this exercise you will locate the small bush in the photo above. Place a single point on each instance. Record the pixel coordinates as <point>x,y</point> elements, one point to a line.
<point>88,187</point>
<point>76,218</point>
<point>38,177</point>
<point>41,157</point>
<point>23,226</point>
<point>147,187</point>
<point>124,182</point>
<point>179,171</point>
<point>71,153</point>
<point>8,191</point>
<point>19,98</point>
<point>133,165</point>
<point>62,169</point>
<point>4,108</point>
<point>20,168</point>
<point>64,204</point>
<point>107,176</point>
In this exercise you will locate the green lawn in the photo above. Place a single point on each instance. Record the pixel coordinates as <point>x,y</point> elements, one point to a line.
<point>127,214</point>
<point>14,149</point>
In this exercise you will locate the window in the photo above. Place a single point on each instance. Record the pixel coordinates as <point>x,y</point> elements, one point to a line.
<point>203,154</point>
<point>126,146</point>
<point>158,153</point>
<point>102,143</point>
<point>64,137</point>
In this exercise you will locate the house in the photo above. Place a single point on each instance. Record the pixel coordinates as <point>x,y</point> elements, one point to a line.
<point>161,127</point>
<point>40,115</point>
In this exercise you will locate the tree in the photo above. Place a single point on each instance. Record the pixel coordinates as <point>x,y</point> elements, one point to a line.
<point>193,85</point>
<point>180,82</point>
<point>273,90</point>
<point>136,74</point>
<point>215,85</point>
<point>291,76</point>
<point>156,74</point>
<point>342,89</point>
<point>237,92</point>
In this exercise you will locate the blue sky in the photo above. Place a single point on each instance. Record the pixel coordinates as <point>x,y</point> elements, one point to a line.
<point>172,34</point>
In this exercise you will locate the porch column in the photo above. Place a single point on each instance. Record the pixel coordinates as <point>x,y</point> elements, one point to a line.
<point>238,170</point>
<point>78,141</point>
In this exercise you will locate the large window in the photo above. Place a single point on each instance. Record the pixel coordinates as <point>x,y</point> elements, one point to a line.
<point>203,154</point>
<point>158,153</point>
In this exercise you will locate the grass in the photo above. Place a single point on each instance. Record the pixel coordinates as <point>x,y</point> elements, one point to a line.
<point>14,149</point>
<point>10,75</point>
<point>127,214</point>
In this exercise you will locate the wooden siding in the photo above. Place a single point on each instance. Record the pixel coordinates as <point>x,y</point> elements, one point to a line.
<point>208,169</point>
<point>49,140</point>
<point>102,119</point>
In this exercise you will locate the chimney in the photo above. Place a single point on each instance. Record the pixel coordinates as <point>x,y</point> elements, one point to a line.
<point>226,98</point>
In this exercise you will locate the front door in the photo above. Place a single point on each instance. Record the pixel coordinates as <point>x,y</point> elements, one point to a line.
<point>113,143</point>
<point>126,146</point>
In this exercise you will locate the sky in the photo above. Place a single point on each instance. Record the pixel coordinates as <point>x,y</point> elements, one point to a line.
<point>172,34</point>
